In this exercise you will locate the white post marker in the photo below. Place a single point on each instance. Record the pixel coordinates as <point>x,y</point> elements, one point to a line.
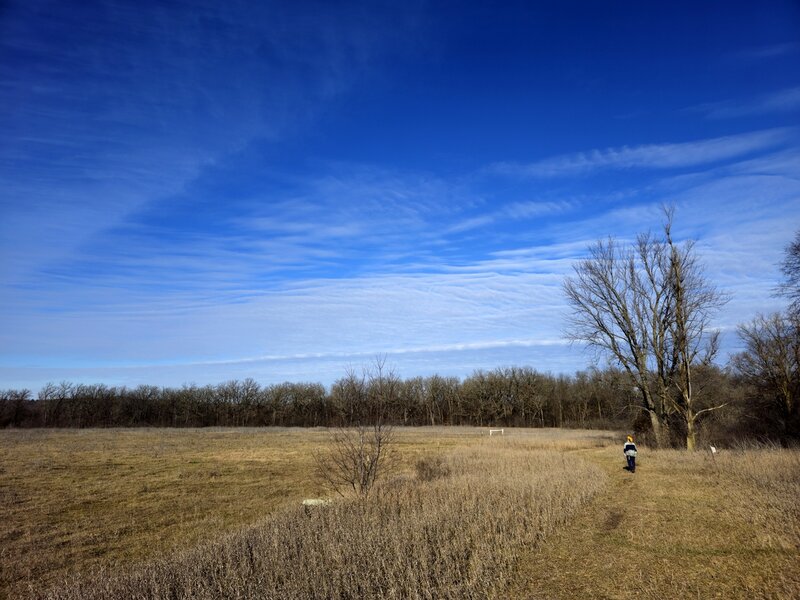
<point>493,431</point>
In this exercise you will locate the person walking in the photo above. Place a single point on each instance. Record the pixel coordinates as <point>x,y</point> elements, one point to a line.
<point>629,449</point>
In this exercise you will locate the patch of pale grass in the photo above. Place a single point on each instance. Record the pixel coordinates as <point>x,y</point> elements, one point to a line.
<point>456,535</point>
<point>760,485</point>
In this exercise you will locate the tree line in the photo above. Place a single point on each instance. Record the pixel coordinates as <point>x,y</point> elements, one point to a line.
<point>504,397</point>
<point>512,396</point>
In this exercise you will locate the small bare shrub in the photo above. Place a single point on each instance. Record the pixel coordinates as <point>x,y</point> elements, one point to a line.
<point>356,458</point>
<point>431,467</point>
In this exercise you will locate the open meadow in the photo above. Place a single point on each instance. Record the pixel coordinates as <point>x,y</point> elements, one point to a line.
<point>216,513</point>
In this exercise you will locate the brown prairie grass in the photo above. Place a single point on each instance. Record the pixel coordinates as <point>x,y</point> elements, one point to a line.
<point>457,535</point>
<point>74,501</point>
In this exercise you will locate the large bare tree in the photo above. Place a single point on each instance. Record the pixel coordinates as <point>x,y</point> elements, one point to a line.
<point>790,267</point>
<point>647,306</point>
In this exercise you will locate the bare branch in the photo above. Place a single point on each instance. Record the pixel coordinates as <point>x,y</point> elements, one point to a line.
<point>711,409</point>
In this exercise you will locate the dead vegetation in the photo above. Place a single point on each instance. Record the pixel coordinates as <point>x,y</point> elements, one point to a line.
<point>458,535</point>
<point>74,501</point>
<point>355,459</point>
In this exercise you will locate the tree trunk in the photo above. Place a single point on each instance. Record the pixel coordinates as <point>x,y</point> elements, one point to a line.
<point>658,429</point>
<point>690,431</point>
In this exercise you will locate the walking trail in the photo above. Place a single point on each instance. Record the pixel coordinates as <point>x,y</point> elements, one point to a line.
<point>663,532</point>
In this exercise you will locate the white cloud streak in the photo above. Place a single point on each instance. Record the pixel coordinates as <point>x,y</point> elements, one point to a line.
<point>216,305</point>
<point>769,52</point>
<point>782,101</point>
<point>652,156</point>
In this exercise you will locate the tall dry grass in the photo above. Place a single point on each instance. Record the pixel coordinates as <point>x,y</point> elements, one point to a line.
<point>455,532</point>
<point>764,486</point>
<point>758,485</point>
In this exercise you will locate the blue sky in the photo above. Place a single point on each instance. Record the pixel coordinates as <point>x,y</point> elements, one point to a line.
<point>201,191</point>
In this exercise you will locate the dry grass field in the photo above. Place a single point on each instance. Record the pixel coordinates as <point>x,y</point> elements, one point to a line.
<point>73,501</point>
<point>76,499</point>
<point>215,514</point>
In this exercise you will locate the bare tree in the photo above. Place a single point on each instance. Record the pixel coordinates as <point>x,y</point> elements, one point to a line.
<point>355,458</point>
<point>790,267</point>
<point>620,307</point>
<point>358,455</point>
<point>349,395</point>
<point>646,306</point>
<point>771,362</point>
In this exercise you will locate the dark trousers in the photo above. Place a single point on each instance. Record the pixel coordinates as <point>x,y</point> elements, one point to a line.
<point>631,463</point>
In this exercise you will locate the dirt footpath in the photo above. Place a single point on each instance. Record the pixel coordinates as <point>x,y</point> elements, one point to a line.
<point>663,532</point>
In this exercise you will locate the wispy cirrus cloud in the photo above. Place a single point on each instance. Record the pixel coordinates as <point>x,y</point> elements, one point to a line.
<point>108,111</point>
<point>455,360</point>
<point>514,211</point>
<point>781,101</point>
<point>344,221</point>
<point>470,223</point>
<point>650,156</point>
<point>503,306</point>
<point>410,314</point>
<point>768,52</point>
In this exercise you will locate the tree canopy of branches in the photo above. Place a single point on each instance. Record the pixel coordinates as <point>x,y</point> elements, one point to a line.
<point>647,306</point>
<point>771,364</point>
<point>790,267</point>
<point>501,397</point>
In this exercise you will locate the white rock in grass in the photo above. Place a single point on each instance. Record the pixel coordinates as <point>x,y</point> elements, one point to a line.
<point>315,502</point>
